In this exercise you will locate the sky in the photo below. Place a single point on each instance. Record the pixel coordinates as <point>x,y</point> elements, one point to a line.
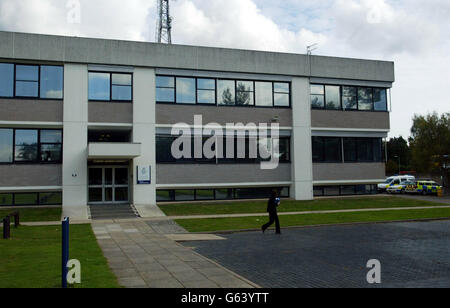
<point>415,34</point>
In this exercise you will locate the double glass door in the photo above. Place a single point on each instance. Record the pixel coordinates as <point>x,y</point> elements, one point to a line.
<point>108,185</point>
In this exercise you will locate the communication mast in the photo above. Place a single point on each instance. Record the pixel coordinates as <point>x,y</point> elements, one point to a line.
<point>164,23</point>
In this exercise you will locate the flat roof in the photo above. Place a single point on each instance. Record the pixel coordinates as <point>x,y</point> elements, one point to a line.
<point>65,49</point>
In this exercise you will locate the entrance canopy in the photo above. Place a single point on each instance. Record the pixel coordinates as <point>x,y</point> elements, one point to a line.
<point>114,150</point>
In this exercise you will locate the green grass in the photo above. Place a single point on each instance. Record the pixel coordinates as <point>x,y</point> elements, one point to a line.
<point>229,224</point>
<point>34,214</point>
<point>32,258</point>
<point>251,207</point>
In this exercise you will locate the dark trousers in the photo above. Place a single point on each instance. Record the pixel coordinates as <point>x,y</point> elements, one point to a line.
<point>273,219</point>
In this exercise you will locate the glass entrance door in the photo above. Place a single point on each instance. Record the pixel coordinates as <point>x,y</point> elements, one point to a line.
<point>108,185</point>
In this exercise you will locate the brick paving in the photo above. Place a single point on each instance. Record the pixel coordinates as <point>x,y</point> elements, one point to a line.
<point>142,256</point>
<point>414,254</point>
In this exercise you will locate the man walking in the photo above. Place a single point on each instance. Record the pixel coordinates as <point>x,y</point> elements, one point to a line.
<point>272,205</point>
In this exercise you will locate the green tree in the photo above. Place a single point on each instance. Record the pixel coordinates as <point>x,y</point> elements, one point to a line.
<point>430,141</point>
<point>398,148</point>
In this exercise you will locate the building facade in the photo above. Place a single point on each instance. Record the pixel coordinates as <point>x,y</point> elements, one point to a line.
<point>86,122</point>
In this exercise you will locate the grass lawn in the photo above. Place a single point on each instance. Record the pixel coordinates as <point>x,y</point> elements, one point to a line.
<point>34,214</point>
<point>251,207</point>
<point>32,258</point>
<point>228,224</point>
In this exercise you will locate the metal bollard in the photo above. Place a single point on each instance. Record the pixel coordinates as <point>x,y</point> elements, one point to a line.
<point>6,227</point>
<point>65,250</point>
<point>16,219</point>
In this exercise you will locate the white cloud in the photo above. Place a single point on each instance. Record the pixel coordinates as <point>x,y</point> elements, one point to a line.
<point>413,33</point>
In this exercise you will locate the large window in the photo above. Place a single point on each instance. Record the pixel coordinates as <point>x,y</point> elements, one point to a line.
<point>355,149</point>
<point>345,190</point>
<point>327,149</point>
<point>31,81</point>
<point>250,155</point>
<point>30,146</point>
<point>30,199</point>
<point>110,87</point>
<point>348,98</point>
<point>222,92</point>
<point>219,194</point>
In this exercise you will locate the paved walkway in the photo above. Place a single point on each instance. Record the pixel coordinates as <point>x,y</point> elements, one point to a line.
<point>413,254</point>
<point>144,255</point>
<point>309,212</point>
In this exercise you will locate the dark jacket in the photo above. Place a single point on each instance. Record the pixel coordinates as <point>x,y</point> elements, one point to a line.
<point>272,205</point>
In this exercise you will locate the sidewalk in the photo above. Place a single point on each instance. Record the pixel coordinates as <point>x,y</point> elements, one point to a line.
<point>145,255</point>
<point>307,212</point>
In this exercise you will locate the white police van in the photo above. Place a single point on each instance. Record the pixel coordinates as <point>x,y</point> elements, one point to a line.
<point>395,180</point>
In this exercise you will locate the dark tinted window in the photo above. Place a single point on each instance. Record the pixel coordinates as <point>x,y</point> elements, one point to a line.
<point>350,147</point>
<point>365,102</point>
<point>349,98</point>
<point>380,99</point>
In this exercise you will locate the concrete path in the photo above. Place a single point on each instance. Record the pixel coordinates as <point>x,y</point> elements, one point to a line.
<point>309,212</point>
<point>144,255</point>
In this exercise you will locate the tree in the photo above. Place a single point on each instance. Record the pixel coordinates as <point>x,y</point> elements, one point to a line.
<point>398,148</point>
<point>430,142</point>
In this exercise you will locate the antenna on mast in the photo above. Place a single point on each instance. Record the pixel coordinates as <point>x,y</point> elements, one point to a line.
<point>164,22</point>
<point>311,48</point>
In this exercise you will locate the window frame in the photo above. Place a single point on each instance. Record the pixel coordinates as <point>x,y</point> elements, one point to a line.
<point>357,98</point>
<point>235,80</point>
<point>111,100</point>
<point>38,161</point>
<point>38,97</point>
<point>38,198</point>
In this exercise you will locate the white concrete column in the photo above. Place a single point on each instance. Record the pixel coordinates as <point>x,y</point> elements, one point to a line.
<point>75,141</point>
<point>301,145</point>
<point>144,131</point>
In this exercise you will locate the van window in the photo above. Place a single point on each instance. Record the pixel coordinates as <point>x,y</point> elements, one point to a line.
<point>396,182</point>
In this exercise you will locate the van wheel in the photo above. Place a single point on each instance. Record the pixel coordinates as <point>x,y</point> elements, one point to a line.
<point>424,193</point>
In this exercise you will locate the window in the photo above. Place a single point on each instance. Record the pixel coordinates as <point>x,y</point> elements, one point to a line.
<point>51,198</point>
<point>31,146</point>
<point>6,80</point>
<point>27,80</point>
<point>31,81</point>
<point>219,194</point>
<point>26,199</point>
<point>206,91</point>
<point>284,149</point>
<point>380,99</point>
<point>52,82</point>
<point>326,149</point>
<point>164,149</point>
<point>185,89</point>
<point>349,98</point>
<point>99,86</point>
<point>51,145</point>
<point>331,191</point>
<point>6,145</point>
<point>110,87</point>
<point>165,89</point>
<point>245,93</point>
<point>282,94</point>
<point>264,94</point>
<point>226,92</point>
<point>26,149</point>
<point>350,150</point>
<point>333,97</point>
<point>317,96</point>
<point>365,96</point>
<point>121,87</point>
